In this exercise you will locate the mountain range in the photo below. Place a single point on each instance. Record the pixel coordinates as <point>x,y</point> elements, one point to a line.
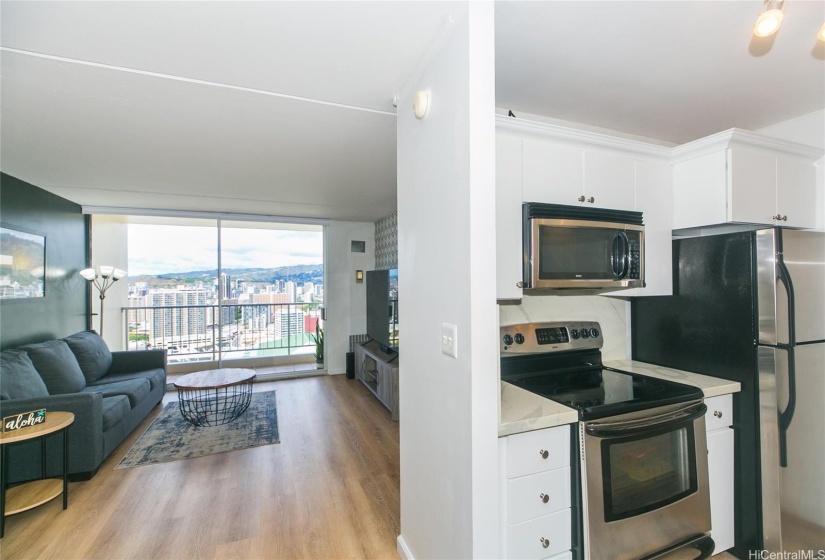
<point>296,273</point>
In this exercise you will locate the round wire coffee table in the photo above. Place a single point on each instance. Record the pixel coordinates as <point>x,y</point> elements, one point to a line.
<point>216,396</point>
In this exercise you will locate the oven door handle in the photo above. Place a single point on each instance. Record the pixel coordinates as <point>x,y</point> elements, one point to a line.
<point>635,427</point>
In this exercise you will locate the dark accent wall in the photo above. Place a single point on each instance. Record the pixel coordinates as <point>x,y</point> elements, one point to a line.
<point>64,309</point>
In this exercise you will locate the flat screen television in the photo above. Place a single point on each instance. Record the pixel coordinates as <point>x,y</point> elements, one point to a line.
<point>382,308</point>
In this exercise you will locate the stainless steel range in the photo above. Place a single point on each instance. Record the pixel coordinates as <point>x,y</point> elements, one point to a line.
<point>643,470</point>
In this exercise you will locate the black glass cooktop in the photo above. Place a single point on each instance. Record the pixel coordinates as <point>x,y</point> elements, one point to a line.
<point>595,391</point>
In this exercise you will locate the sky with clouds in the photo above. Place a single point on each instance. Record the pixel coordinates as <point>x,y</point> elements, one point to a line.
<point>159,249</point>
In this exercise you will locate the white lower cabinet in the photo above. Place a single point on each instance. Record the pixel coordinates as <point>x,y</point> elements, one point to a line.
<point>718,420</point>
<point>539,538</point>
<point>535,494</point>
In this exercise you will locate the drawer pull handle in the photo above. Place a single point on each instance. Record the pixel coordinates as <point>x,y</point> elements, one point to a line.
<point>581,198</point>
<point>544,497</point>
<point>544,454</point>
<point>544,542</point>
<point>591,200</point>
<point>717,413</point>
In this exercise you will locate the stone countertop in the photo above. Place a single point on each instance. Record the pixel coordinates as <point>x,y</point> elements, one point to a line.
<point>711,386</point>
<point>523,411</point>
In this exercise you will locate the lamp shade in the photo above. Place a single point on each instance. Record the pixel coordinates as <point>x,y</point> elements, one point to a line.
<point>821,34</point>
<point>88,273</point>
<point>118,274</point>
<point>106,271</point>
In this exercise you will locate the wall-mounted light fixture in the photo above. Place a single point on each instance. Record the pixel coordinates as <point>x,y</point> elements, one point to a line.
<point>359,276</point>
<point>821,34</point>
<point>422,103</point>
<point>770,19</point>
<point>102,278</point>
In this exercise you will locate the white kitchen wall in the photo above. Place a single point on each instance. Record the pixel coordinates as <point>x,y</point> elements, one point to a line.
<point>345,301</point>
<point>806,129</point>
<point>611,313</point>
<point>446,274</point>
<point>110,247</point>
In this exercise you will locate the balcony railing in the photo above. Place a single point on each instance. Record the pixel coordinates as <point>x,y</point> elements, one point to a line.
<point>195,333</point>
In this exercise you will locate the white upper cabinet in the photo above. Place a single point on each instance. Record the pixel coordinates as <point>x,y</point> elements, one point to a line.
<point>609,181</point>
<point>740,177</point>
<point>576,176</point>
<point>553,173</point>
<point>653,200</point>
<point>796,192</point>
<point>508,216</point>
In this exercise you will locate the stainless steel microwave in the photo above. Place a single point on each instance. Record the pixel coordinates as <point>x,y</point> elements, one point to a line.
<point>576,248</point>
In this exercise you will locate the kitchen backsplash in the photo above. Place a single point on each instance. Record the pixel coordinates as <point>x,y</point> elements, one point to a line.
<point>611,313</point>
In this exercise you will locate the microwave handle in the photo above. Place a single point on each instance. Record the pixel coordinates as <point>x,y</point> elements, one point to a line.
<point>621,255</point>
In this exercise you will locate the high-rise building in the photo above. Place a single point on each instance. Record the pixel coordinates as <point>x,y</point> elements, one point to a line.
<point>292,289</point>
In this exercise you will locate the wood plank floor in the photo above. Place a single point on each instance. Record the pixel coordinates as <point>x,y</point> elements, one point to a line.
<point>330,489</point>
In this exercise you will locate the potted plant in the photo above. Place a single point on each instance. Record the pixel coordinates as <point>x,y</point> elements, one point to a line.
<point>318,337</point>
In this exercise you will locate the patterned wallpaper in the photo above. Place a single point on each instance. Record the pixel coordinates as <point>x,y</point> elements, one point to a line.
<point>386,242</point>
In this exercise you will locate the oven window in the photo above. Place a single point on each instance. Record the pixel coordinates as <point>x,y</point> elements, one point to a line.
<point>644,473</point>
<point>575,253</point>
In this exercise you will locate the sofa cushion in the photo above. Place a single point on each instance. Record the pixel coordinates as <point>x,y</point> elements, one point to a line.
<point>92,354</point>
<point>135,389</point>
<point>114,409</point>
<point>57,366</point>
<point>156,377</point>
<point>18,378</point>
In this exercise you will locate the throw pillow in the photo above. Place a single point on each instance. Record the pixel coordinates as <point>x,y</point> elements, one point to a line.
<point>18,378</point>
<point>92,354</point>
<point>57,366</point>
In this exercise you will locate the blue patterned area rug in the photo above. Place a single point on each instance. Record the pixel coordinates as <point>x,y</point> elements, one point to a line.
<point>171,438</point>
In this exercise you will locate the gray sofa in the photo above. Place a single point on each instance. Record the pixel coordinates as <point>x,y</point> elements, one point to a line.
<point>110,393</point>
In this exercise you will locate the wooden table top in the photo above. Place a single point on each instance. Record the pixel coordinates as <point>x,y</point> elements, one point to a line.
<point>214,378</point>
<point>55,420</point>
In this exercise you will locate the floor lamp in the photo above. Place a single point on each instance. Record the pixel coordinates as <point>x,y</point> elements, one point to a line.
<point>102,278</point>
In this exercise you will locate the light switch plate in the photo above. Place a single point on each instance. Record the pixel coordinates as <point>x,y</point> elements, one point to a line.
<point>449,342</point>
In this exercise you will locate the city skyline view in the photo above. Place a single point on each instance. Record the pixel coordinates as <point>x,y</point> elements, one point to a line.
<point>263,300</point>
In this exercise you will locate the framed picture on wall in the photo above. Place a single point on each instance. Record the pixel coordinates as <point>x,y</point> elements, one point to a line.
<point>22,263</point>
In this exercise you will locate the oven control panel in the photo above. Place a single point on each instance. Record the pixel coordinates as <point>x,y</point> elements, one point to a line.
<point>538,338</point>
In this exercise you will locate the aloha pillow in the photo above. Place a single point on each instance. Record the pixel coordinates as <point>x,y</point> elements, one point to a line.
<point>92,354</point>
<point>57,366</point>
<point>18,378</point>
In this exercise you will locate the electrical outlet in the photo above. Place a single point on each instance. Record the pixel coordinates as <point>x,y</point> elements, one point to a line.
<point>449,342</point>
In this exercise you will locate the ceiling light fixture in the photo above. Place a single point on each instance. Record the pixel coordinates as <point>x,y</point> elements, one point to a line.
<point>770,19</point>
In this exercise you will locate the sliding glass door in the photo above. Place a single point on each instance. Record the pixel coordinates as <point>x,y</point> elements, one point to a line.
<point>215,290</point>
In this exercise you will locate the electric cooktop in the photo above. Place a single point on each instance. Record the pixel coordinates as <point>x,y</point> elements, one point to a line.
<point>562,362</point>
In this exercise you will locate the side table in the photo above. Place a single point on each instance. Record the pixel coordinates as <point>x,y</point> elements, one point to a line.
<point>32,494</point>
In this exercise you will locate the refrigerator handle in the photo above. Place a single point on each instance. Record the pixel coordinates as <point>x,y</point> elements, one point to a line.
<point>786,416</point>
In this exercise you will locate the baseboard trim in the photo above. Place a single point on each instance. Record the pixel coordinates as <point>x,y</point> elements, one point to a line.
<point>403,550</point>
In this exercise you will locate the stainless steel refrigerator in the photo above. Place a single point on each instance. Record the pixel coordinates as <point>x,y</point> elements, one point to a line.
<point>750,306</point>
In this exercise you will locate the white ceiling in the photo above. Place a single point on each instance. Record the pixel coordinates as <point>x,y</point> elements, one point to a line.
<point>150,124</point>
<point>671,70</point>
<point>285,108</point>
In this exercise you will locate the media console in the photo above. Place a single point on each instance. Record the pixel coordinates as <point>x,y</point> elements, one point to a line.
<point>379,372</point>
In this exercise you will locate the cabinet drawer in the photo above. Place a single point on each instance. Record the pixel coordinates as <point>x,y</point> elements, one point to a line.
<point>720,412</point>
<point>541,450</point>
<point>526,495</point>
<point>541,537</point>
